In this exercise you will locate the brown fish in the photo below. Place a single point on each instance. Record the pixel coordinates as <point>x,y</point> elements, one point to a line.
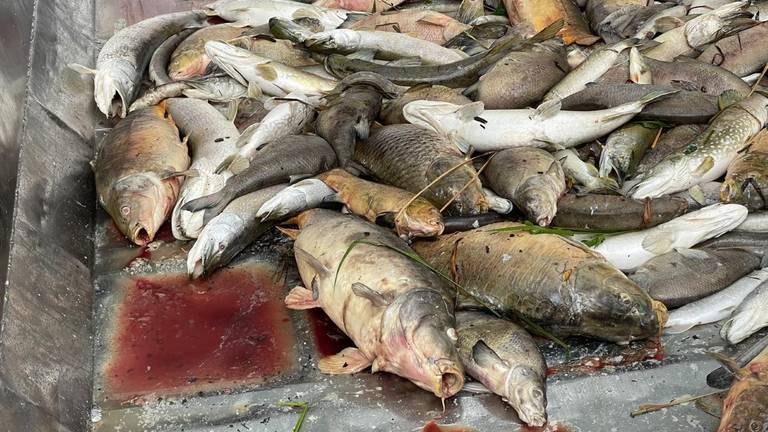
<point>509,85</point>
<point>423,24</point>
<point>375,202</point>
<point>392,113</point>
<point>534,15</point>
<point>615,212</point>
<point>411,157</point>
<point>743,53</point>
<point>746,406</point>
<point>135,172</point>
<point>189,60</point>
<point>747,175</point>
<point>556,282</point>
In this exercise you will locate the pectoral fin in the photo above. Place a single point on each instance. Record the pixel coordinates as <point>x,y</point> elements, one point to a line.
<point>697,193</point>
<point>546,109</point>
<point>82,69</point>
<point>369,293</point>
<point>659,242</point>
<point>300,298</point>
<point>316,265</point>
<point>347,361</point>
<point>484,356</point>
<point>704,167</point>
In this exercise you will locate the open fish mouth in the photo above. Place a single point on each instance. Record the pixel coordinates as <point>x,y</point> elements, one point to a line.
<point>108,95</point>
<point>142,235</point>
<point>451,382</point>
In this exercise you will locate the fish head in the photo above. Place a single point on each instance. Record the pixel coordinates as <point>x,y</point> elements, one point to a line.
<point>337,65</point>
<point>420,219</point>
<point>538,200</point>
<point>216,245</point>
<point>744,407</point>
<point>296,31</point>
<point>188,64</point>
<point>441,117</point>
<point>524,388</point>
<point>419,342</point>
<point>227,9</point>
<point>611,306</point>
<point>707,222</point>
<point>331,41</point>
<point>139,204</point>
<point>114,87</point>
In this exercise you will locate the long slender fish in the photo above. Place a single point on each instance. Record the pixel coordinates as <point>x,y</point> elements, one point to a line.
<point>410,157</point>
<point>281,161</point>
<point>682,107</point>
<point>554,281</point>
<point>683,276</point>
<point>273,78</point>
<point>229,233</point>
<point>388,45</point>
<point>531,178</point>
<point>399,315</point>
<point>136,169</point>
<point>457,74</point>
<point>707,157</point>
<point>615,212</point>
<point>505,359</point>
<point>425,24</point>
<point>123,59</point>
<point>472,126</point>
<point>748,318</point>
<point>211,138</point>
<point>631,250</point>
<point>742,53</point>
<point>256,13</point>
<point>715,307</point>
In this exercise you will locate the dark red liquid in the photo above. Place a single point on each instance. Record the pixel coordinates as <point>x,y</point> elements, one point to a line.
<point>329,339</point>
<point>176,336</point>
<point>648,350</point>
<point>549,427</point>
<point>434,427</point>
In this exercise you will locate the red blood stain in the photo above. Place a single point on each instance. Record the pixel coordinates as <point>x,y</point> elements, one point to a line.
<point>649,350</point>
<point>177,336</point>
<point>431,426</point>
<point>549,427</point>
<point>329,339</point>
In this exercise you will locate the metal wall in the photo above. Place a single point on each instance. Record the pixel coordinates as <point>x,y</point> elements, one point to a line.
<point>46,132</point>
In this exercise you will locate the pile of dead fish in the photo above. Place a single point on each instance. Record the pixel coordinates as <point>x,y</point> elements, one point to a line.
<point>571,166</point>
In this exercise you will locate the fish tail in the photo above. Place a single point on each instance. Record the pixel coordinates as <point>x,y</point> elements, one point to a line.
<point>654,95</point>
<point>548,32</point>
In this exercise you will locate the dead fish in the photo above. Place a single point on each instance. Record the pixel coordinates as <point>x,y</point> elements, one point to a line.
<point>629,251</point>
<point>508,83</point>
<point>229,233</point>
<point>122,60</point>
<point>471,10</point>
<point>750,317</point>
<point>136,171</point>
<point>598,10</point>
<point>215,88</point>
<point>424,24</point>
<point>211,138</point>
<point>249,13</point>
<point>679,108</point>
<point>472,126</point>
<point>683,276</point>
<point>287,116</point>
<point>615,212</point>
<point>505,359</point>
<point>699,31</point>
<point>448,7</point>
<point>411,216</point>
<point>722,378</point>
<point>534,15</point>
<point>748,174</point>
<point>457,74</point>
<point>189,59</point>
<point>653,24</point>
<point>756,222</point>
<point>281,161</point>
<point>627,21</point>
<point>583,174</point>
<point>741,53</point>
<point>399,315</point>
<point>410,157</point>
<point>555,282</point>
<point>271,77</point>
<point>387,45</point>
<point>750,241</point>
<point>158,64</point>
<point>625,147</point>
<point>668,143</point>
<point>392,111</point>
<point>693,75</point>
<point>531,178</point>
<point>744,407</point>
<point>348,115</point>
<point>707,157</point>
<point>359,5</point>
<point>480,37</point>
<point>249,112</point>
<point>598,62</point>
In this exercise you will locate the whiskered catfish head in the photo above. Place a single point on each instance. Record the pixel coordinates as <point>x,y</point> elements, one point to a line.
<point>419,342</point>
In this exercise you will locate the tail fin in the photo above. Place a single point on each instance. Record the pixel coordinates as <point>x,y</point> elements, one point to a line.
<point>548,32</point>
<point>470,10</point>
<point>213,201</point>
<point>654,95</point>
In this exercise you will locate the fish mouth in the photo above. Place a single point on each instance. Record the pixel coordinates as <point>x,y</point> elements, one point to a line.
<point>451,381</point>
<point>141,235</point>
<point>108,95</point>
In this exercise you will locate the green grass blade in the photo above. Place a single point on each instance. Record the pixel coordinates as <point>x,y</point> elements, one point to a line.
<point>304,409</point>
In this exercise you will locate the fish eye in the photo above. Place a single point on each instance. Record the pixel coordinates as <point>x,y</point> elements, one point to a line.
<point>538,394</point>
<point>222,246</point>
<point>125,210</point>
<point>625,298</point>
